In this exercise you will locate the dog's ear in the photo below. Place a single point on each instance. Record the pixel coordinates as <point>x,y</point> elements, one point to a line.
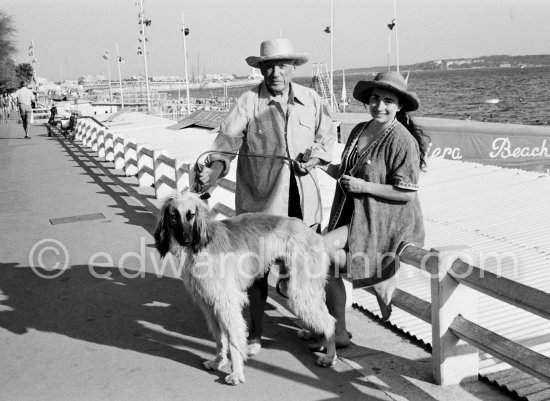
<point>201,229</point>
<point>163,231</point>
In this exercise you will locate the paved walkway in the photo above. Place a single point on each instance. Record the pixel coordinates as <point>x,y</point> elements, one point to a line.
<point>100,320</point>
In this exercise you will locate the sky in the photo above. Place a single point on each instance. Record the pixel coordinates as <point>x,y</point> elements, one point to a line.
<point>70,36</point>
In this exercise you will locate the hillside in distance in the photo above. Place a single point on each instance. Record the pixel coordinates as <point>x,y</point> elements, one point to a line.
<point>502,61</point>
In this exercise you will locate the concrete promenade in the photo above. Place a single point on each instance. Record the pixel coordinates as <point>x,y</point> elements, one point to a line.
<point>87,312</point>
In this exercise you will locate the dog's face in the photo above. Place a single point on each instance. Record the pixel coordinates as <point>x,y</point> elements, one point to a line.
<point>183,220</point>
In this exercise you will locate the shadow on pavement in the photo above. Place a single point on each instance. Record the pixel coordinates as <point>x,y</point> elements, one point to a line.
<point>153,316</point>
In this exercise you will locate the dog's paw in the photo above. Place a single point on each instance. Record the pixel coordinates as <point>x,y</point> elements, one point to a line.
<point>326,361</point>
<point>235,378</point>
<point>214,364</point>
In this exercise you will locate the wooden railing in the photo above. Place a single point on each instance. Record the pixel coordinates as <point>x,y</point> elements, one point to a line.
<point>452,309</point>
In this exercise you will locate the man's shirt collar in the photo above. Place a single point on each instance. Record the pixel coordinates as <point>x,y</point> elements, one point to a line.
<point>296,94</point>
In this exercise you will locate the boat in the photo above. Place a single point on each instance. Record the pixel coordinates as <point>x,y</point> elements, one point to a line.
<point>344,97</point>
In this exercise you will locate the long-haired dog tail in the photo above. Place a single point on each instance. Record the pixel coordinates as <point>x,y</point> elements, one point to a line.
<point>310,264</point>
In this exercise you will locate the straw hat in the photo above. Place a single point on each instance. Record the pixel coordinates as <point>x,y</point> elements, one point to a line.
<point>391,81</point>
<point>277,49</point>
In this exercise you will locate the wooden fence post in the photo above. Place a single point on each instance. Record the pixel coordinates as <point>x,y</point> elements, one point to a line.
<point>454,360</point>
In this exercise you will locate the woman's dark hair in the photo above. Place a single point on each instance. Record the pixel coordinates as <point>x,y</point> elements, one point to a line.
<point>418,134</point>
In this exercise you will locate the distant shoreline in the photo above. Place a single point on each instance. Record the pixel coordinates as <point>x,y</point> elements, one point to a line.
<point>404,69</point>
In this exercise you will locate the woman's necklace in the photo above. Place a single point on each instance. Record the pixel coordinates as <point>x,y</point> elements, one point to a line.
<point>369,135</point>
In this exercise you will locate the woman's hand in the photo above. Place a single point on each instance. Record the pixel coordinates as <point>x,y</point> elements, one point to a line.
<point>305,167</point>
<point>353,184</point>
<point>386,191</point>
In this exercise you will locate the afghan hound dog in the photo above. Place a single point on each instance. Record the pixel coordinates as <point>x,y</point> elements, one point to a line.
<point>220,260</point>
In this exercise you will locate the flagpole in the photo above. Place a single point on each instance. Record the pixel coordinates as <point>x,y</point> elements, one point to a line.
<point>331,61</point>
<point>119,61</point>
<point>396,43</point>
<point>389,49</point>
<point>143,41</point>
<point>183,34</point>
<point>33,60</point>
<point>109,73</point>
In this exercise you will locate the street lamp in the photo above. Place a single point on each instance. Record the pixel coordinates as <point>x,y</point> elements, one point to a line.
<point>120,60</point>
<point>143,23</point>
<point>184,33</point>
<point>329,30</point>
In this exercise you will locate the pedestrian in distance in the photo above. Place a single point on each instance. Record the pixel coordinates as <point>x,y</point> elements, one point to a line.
<point>282,119</point>
<point>7,106</point>
<point>25,98</point>
<point>3,99</point>
<point>376,207</point>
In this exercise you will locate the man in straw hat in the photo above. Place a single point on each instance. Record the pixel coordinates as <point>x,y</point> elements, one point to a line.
<point>277,118</point>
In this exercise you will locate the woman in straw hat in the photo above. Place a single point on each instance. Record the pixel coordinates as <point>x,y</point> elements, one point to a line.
<point>376,207</point>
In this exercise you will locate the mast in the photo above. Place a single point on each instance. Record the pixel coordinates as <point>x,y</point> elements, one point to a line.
<point>344,92</point>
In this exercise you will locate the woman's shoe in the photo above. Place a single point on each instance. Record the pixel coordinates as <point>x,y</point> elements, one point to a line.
<point>319,346</point>
<point>254,347</point>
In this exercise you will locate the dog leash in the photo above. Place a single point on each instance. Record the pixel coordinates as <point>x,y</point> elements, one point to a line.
<point>198,167</point>
<point>305,157</point>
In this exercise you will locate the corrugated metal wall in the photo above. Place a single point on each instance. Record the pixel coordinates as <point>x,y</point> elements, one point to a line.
<point>498,219</point>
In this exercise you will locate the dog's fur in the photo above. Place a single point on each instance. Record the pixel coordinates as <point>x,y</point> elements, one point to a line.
<point>221,259</point>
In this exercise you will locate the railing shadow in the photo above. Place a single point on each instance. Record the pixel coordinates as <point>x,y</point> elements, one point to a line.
<point>90,167</point>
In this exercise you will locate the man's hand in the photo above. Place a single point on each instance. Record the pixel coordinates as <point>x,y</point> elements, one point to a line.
<point>209,175</point>
<point>305,167</point>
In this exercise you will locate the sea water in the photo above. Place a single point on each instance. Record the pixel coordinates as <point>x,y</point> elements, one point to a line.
<point>506,95</point>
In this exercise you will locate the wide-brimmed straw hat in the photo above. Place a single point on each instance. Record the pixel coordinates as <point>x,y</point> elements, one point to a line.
<point>277,49</point>
<point>391,81</point>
